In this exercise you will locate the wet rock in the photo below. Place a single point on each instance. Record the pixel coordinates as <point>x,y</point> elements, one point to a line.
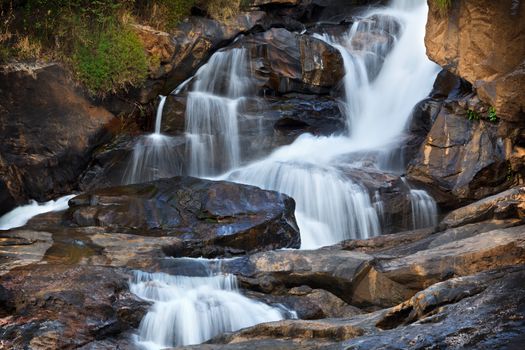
<point>48,127</point>
<point>508,204</point>
<point>212,218</point>
<point>286,62</point>
<point>487,250</point>
<point>479,311</point>
<point>22,247</point>
<point>345,274</point>
<point>462,160</point>
<point>483,42</point>
<point>59,307</point>
<point>310,304</point>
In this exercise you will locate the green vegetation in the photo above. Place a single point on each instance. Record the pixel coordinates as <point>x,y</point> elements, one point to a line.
<point>473,115</point>
<point>110,60</point>
<point>443,5</point>
<point>95,38</point>
<point>492,116</point>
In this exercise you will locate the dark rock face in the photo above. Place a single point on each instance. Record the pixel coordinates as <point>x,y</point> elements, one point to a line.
<point>48,131</point>
<point>288,62</point>
<point>63,307</point>
<point>462,160</point>
<point>212,218</point>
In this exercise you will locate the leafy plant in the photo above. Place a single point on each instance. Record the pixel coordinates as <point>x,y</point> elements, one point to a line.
<point>110,60</point>
<point>492,115</point>
<point>443,5</point>
<point>473,115</point>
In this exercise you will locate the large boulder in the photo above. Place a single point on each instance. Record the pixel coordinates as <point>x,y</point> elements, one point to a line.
<point>64,307</point>
<point>288,62</point>
<point>463,160</point>
<point>48,130</point>
<point>505,205</point>
<point>212,218</point>
<point>484,43</point>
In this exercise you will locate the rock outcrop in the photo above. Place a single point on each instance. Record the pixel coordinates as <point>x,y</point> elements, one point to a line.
<point>211,218</point>
<point>48,129</point>
<point>484,43</point>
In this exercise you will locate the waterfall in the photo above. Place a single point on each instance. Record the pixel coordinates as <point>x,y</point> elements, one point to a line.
<point>381,85</point>
<point>154,155</point>
<point>211,113</point>
<point>191,310</point>
<point>158,117</point>
<point>424,209</point>
<point>21,215</point>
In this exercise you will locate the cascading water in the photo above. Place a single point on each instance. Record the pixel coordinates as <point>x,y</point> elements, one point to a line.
<point>191,310</point>
<point>211,113</point>
<point>20,216</point>
<point>154,156</point>
<point>382,84</point>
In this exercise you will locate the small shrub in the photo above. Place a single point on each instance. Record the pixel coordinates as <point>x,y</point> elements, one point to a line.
<point>110,60</point>
<point>473,115</point>
<point>163,14</point>
<point>222,10</point>
<point>443,5</point>
<point>492,115</point>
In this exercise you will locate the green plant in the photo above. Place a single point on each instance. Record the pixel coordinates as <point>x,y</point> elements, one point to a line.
<point>492,115</point>
<point>473,115</point>
<point>110,60</point>
<point>443,5</point>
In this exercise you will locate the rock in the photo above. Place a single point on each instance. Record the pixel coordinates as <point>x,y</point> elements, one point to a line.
<point>310,304</point>
<point>22,247</point>
<point>48,127</point>
<point>487,250</point>
<point>483,42</point>
<point>212,218</point>
<point>62,307</point>
<point>286,62</point>
<point>342,273</point>
<point>508,204</point>
<point>479,311</point>
<point>462,160</point>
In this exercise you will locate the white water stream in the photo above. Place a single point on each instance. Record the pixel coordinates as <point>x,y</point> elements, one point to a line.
<point>191,310</point>
<point>21,215</point>
<point>211,113</point>
<point>379,97</point>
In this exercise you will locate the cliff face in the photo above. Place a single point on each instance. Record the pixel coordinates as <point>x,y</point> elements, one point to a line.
<point>483,41</point>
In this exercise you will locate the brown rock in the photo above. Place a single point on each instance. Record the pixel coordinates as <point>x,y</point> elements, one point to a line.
<point>462,160</point>
<point>289,62</point>
<point>212,218</point>
<point>48,130</point>
<point>483,41</point>
<point>508,204</point>
<point>485,251</point>
<point>63,307</point>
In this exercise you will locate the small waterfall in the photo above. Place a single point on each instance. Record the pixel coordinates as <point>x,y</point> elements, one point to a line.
<point>211,113</point>
<point>379,207</point>
<point>155,155</point>
<point>191,310</point>
<point>158,117</point>
<point>424,209</point>
<point>21,215</point>
<point>329,206</point>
